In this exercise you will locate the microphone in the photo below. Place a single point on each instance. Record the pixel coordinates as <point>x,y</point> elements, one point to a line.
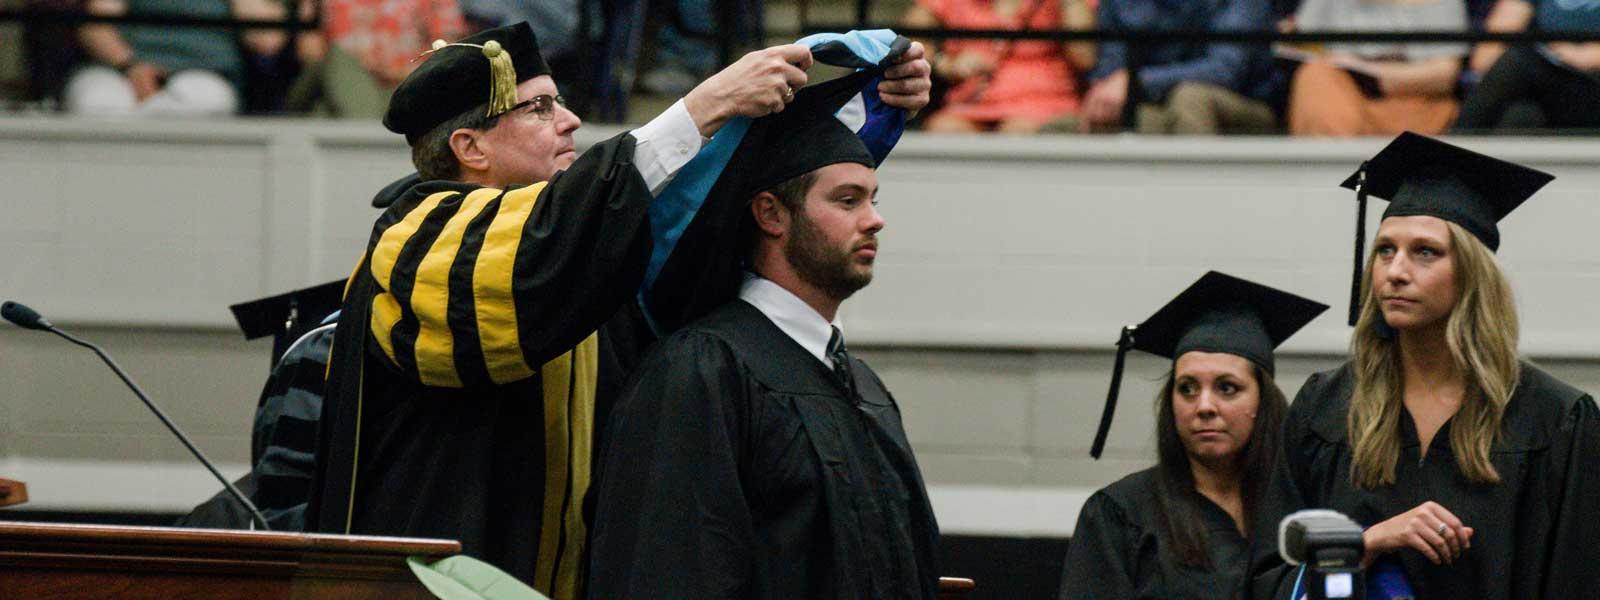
<point>23,316</point>
<point>28,318</point>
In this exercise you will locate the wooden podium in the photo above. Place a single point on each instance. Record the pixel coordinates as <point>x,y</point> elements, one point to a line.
<point>955,588</point>
<point>65,562</point>
<point>57,561</point>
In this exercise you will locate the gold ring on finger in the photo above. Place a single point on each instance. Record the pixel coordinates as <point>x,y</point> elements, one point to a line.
<point>788,95</point>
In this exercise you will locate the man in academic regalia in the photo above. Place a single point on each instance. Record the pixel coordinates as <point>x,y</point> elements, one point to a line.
<point>491,311</point>
<point>750,456</point>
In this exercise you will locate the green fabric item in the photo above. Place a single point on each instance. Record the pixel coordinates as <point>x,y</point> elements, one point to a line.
<point>338,87</point>
<point>462,577</point>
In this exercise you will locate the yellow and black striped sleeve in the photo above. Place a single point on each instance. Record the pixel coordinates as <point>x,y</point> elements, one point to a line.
<point>481,285</point>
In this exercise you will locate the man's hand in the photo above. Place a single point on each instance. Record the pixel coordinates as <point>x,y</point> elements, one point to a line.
<point>1102,105</point>
<point>1428,528</point>
<point>759,84</point>
<point>146,78</point>
<point>906,84</point>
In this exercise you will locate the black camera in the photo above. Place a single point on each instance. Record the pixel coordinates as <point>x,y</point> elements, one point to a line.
<point>1330,546</point>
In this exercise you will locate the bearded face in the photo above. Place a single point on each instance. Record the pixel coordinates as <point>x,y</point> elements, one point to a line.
<point>833,240</point>
<point>833,267</point>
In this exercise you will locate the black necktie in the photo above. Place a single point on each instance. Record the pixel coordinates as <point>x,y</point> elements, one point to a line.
<point>840,357</point>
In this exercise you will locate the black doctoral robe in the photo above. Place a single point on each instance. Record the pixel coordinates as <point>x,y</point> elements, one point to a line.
<point>738,466</point>
<point>1118,551</point>
<point>480,336</point>
<point>1535,533</point>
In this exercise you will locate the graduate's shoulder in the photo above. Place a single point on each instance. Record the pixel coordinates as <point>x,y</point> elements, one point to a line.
<point>1539,389</point>
<point>1540,409</point>
<point>725,325</point>
<point>714,336</point>
<point>1321,406</point>
<point>762,351</point>
<point>1128,498</point>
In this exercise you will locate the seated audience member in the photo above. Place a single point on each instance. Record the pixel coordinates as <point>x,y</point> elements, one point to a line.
<point>1189,88</point>
<point>386,36</point>
<point>1013,86</point>
<point>1181,529</point>
<point>750,456</point>
<point>1471,470</point>
<point>1554,85</point>
<point>554,22</point>
<point>272,65</point>
<point>687,42</point>
<point>1377,88</point>
<point>156,71</point>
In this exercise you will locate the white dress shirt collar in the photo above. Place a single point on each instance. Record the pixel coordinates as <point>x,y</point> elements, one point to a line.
<point>792,315</point>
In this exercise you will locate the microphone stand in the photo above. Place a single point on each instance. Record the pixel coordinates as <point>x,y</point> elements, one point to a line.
<point>254,512</point>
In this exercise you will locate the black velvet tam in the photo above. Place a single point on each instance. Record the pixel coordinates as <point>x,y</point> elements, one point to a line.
<point>456,79</point>
<point>1420,175</point>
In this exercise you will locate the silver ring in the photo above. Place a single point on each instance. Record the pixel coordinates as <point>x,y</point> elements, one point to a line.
<point>788,95</point>
<point>1442,528</point>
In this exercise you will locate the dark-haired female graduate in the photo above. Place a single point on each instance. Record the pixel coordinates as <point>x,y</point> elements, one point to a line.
<point>1473,472</point>
<point>1179,530</point>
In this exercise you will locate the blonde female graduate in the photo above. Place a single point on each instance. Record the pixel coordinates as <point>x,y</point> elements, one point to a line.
<point>1472,470</point>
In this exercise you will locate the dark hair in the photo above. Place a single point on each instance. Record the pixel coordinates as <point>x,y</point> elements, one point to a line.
<point>431,153</point>
<point>791,193</point>
<point>1179,516</point>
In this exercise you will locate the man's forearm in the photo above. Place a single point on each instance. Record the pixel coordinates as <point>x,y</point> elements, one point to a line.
<point>664,145</point>
<point>102,42</point>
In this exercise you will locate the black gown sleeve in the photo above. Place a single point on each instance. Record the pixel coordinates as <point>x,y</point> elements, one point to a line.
<point>671,519</point>
<point>285,439</point>
<point>1268,577</point>
<point>1100,555</point>
<point>1571,572</point>
<point>480,286</point>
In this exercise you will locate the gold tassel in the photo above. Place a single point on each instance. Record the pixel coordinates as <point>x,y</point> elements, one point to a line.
<point>502,74</point>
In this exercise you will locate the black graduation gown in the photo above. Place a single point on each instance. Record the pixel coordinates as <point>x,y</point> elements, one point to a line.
<point>478,426</point>
<point>1535,532</point>
<point>1118,551</point>
<point>737,466</point>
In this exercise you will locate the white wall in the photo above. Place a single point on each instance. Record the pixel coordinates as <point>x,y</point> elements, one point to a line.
<point>1007,267</point>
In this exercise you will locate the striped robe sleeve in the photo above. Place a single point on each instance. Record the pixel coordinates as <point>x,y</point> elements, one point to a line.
<point>483,286</point>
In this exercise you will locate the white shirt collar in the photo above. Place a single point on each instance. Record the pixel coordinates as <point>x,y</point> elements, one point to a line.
<point>792,315</point>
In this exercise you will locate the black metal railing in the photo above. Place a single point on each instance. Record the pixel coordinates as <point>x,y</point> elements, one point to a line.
<point>1134,38</point>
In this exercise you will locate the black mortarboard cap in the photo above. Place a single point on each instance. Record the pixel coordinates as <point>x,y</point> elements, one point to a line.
<point>1218,313</point>
<point>458,77</point>
<point>801,145</point>
<point>1420,175</point>
<point>704,269</point>
<point>289,315</point>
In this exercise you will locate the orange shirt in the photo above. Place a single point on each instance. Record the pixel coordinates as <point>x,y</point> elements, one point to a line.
<point>387,35</point>
<point>1032,78</point>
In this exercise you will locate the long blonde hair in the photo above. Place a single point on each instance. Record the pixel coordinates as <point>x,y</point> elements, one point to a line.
<point>1481,333</point>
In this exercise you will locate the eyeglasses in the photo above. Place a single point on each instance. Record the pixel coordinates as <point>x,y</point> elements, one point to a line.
<point>542,105</point>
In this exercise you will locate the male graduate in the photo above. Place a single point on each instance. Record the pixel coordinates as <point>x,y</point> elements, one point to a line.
<point>750,455</point>
<point>491,310</point>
